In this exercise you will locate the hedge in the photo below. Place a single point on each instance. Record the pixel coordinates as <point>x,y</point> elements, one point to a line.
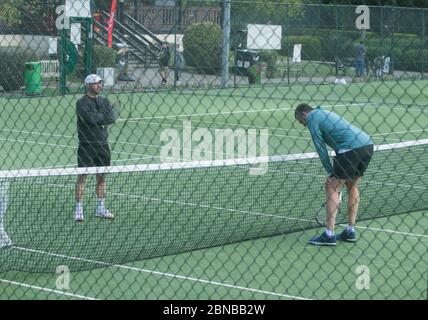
<point>202,46</point>
<point>104,57</point>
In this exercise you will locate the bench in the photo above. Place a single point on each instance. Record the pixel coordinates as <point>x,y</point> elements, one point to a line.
<point>341,65</point>
<point>292,67</point>
<point>50,68</point>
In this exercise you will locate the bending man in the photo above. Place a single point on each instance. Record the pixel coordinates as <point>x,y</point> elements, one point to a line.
<point>354,150</point>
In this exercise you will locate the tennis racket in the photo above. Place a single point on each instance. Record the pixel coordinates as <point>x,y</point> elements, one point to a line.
<point>321,214</point>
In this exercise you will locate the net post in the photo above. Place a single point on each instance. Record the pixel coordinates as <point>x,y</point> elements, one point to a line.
<point>4,189</point>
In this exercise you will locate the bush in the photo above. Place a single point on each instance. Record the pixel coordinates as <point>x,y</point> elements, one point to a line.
<point>254,74</point>
<point>270,57</point>
<point>202,45</point>
<point>12,61</point>
<point>104,57</point>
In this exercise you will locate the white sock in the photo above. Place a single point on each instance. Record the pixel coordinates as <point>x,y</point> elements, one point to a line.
<point>1,230</point>
<point>79,206</point>
<point>350,228</point>
<point>100,202</point>
<point>329,233</point>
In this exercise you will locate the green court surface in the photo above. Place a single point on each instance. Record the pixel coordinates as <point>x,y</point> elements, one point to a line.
<point>217,233</point>
<point>396,257</point>
<point>45,128</point>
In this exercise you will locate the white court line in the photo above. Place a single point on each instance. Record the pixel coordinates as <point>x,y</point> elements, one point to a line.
<point>62,146</point>
<point>380,105</point>
<point>241,111</point>
<point>118,152</point>
<point>25,285</point>
<point>205,114</point>
<point>417,235</point>
<point>399,132</point>
<point>113,161</point>
<point>165,274</point>
<point>368,104</point>
<point>133,143</point>
<point>229,112</point>
<point>229,124</point>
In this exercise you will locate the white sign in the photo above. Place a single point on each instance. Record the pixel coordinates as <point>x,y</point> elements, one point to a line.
<point>297,53</point>
<point>75,33</point>
<point>386,65</point>
<point>78,8</point>
<point>53,45</point>
<point>264,36</point>
<point>363,20</point>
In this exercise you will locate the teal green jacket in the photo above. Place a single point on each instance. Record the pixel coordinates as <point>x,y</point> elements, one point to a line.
<point>328,128</point>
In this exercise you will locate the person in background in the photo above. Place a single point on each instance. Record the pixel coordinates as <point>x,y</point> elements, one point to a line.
<point>360,53</point>
<point>164,57</point>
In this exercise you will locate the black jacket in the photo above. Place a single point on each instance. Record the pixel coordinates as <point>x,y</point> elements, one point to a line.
<point>93,116</point>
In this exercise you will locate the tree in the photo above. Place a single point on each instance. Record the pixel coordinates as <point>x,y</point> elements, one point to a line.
<point>399,3</point>
<point>13,12</point>
<point>265,12</point>
<point>9,11</point>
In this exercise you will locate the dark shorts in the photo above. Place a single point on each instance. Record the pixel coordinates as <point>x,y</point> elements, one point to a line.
<point>93,155</point>
<point>351,164</point>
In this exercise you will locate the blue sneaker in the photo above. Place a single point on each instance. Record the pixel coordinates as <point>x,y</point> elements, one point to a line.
<point>346,235</point>
<point>323,240</point>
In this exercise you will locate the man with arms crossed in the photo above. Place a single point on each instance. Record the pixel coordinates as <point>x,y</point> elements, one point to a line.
<point>94,114</point>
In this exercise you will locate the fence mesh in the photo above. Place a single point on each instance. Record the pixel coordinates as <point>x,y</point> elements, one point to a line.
<point>182,172</point>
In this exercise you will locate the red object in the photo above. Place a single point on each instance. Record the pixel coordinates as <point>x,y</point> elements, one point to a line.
<point>111,23</point>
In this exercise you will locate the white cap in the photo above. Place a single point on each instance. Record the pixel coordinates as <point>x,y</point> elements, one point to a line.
<point>93,78</point>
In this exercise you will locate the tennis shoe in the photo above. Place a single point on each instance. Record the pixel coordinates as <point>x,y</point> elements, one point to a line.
<point>102,212</point>
<point>323,240</point>
<point>347,235</point>
<point>78,215</point>
<point>5,240</point>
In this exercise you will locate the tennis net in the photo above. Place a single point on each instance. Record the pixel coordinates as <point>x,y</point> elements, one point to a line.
<point>169,208</point>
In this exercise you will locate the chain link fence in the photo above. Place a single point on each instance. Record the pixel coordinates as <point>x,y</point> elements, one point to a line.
<point>179,169</point>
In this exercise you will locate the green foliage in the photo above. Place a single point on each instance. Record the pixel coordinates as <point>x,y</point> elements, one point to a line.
<point>400,3</point>
<point>12,12</point>
<point>254,74</point>
<point>12,64</point>
<point>9,11</point>
<point>311,46</point>
<point>202,44</point>
<point>104,57</point>
<point>270,57</point>
<point>407,51</point>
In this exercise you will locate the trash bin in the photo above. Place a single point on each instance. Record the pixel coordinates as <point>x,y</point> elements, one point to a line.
<point>245,59</point>
<point>33,78</point>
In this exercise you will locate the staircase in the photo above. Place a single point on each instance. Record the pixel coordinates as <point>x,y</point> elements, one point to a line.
<point>144,47</point>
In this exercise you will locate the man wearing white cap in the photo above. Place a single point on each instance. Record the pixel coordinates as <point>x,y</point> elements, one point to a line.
<point>94,114</point>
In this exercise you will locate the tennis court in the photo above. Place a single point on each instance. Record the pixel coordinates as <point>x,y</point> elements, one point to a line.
<point>216,232</point>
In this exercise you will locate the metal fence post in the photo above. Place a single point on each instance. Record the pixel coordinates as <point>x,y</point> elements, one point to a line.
<point>226,43</point>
